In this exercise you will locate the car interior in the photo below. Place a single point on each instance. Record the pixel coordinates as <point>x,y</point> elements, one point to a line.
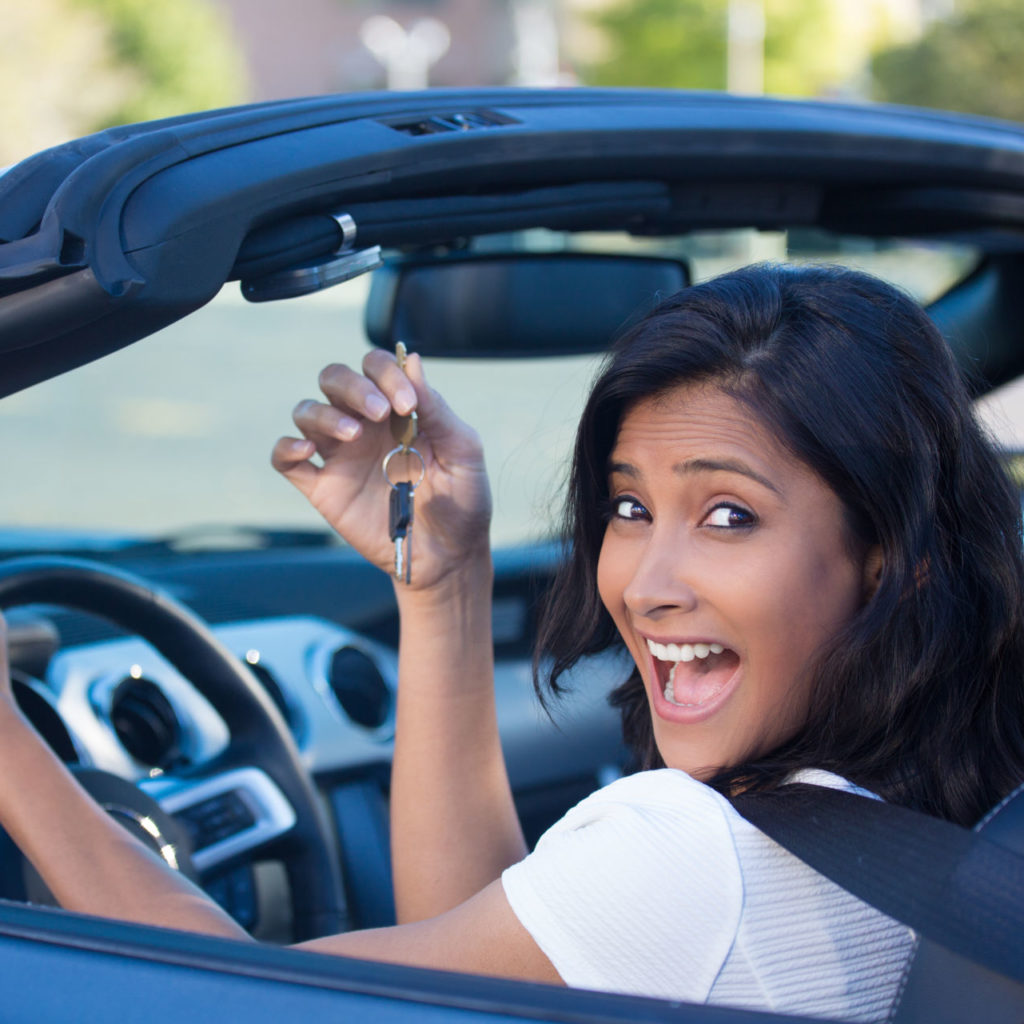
<point>223,680</point>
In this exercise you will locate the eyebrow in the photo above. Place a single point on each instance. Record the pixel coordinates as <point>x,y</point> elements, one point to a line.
<point>701,466</point>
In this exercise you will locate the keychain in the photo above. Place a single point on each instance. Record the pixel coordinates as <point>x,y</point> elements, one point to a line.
<point>404,430</point>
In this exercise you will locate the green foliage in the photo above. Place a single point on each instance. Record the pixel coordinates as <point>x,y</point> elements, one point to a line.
<point>682,44</point>
<point>180,55</point>
<point>71,67</point>
<point>802,47</point>
<point>971,62</point>
<point>46,52</point>
<point>663,43</point>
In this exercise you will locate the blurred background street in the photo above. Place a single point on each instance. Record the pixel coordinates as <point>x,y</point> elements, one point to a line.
<point>71,67</point>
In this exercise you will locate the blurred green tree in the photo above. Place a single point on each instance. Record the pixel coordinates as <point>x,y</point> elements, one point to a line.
<point>181,55</point>
<point>47,52</point>
<point>971,61</point>
<point>71,67</point>
<point>663,43</point>
<point>683,44</point>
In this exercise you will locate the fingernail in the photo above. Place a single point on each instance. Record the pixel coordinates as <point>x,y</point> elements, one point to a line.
<point>404,400</point>
<point>376,407</point>
<point>347,429</point>
<point>301,446</point>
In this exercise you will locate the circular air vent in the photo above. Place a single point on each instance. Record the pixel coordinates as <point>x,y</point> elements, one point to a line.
<point>359,687</point>
<point>146,723</point>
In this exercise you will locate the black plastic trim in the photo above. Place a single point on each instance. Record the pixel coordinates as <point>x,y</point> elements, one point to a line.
<point>158,213</point>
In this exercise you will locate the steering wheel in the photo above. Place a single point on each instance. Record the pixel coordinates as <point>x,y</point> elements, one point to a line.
<point>260,749</point>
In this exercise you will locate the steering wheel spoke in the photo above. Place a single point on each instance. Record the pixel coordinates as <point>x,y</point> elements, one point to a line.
<point>228,816</point>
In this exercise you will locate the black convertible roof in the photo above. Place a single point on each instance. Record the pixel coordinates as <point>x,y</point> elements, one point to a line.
<point>107,239</point>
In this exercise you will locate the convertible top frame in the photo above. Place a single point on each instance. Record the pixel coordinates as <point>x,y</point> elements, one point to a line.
<point>108,239</point>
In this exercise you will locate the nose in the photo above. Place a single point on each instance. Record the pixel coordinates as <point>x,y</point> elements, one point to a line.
<point>660,584</point>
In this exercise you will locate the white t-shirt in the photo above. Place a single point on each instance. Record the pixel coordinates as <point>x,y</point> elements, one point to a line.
<point>656,886</point>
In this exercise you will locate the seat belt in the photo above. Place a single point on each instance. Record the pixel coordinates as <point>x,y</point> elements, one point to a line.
<point>954,886</point>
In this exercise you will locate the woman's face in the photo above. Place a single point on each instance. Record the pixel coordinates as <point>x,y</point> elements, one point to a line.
<point>726,566</point>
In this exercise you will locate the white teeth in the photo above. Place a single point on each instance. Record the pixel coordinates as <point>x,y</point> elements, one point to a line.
<point>677,653</point>
<point>682,652</point>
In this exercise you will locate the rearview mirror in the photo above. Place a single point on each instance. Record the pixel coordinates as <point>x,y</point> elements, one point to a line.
<point>517,304</point>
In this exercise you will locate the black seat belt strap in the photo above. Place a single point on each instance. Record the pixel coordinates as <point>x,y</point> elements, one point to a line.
<point>953,886</point>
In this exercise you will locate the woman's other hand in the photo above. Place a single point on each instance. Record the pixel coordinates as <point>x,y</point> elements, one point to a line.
<point>351,434</point>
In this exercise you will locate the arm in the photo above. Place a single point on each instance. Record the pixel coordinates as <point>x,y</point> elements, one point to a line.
<point>480,936</point>
<point>454,826</point>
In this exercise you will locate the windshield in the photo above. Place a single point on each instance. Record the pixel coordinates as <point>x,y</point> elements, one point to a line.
<point>172,435</point>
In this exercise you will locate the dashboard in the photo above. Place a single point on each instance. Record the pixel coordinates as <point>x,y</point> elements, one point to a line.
<point>110,702</point>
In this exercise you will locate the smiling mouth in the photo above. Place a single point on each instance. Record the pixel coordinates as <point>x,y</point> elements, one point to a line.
<point>692,675</point>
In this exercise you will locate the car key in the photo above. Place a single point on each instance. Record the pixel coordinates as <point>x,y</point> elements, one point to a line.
<point>404,429</point>
<point>400,513</point>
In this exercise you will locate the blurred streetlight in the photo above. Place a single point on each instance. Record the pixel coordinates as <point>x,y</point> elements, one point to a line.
<point>535,57</point>
<point>745,47</point>
<point>407,56</point>
<point>937,10</point>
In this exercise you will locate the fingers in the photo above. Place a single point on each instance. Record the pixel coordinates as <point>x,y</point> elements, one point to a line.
<point>381,387</point>
<point>290,457</point>
<point>390,381</point>
<point>435,417</point>
<point>370,395</point>
<point>354,399</point>
<point>359,404</point>
<point>322,423</point>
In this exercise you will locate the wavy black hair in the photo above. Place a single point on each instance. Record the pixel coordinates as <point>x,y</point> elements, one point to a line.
<point>921,696</point>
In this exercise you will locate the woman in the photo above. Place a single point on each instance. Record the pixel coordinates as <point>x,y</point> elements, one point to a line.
<point>780,504</point>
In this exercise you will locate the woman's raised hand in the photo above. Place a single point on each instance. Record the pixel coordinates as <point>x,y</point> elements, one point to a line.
<point>351,434</point>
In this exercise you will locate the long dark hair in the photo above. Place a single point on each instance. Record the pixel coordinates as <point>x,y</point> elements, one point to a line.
<point>921,696</point>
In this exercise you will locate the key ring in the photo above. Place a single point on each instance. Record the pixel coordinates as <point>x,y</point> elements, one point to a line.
<point>402,450</point>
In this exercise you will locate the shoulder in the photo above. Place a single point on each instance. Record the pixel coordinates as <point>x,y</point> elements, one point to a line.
<point>645,818</point>
<point>647,813</point>
<point>665,794</point>
<point>669,798</point>
<point>656,885</point>
<point>834,957</point>
<point>643,870</point>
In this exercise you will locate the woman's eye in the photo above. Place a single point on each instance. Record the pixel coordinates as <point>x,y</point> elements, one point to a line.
<point>730,517</point>
<point>629,508</point>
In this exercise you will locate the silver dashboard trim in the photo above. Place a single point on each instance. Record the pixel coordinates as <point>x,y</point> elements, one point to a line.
<point>273,813</point>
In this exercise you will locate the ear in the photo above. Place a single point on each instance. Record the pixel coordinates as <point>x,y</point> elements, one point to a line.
<point>872,571</point>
